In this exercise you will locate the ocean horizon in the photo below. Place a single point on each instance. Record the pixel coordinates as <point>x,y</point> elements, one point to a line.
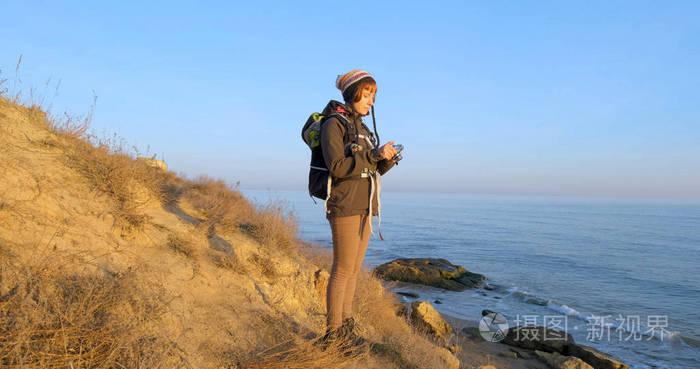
<point>619,274</point>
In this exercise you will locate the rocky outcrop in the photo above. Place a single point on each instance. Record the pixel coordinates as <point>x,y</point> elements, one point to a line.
<point>538,338</point>
<point>558,361</point>
<point>153,163</point>
<point>595,358</point>
<point>425,318</point>
<point>549,340</point>
<point>438,273</point>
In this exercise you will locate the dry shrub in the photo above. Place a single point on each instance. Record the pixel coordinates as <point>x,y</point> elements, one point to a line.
<point>226,261</point>
<point>172,188</point>
<point>282,349</point>
<point>272,226</point>
<point>306,356</point>
<point>180,245</point>
<point>106,163</point>
<point>265,265</point>
<point>74,126</point>
<point>226,208</point>
<point>220,205</point>
<point>51,318</point>
<point>111,170</point>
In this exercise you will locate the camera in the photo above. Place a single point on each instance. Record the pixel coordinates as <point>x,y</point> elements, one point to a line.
<point>399,148</point>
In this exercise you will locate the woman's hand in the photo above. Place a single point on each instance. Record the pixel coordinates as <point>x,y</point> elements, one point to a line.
<point>387,151</point>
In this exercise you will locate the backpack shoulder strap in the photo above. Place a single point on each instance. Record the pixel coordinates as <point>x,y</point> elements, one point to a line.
<point>350,135</point>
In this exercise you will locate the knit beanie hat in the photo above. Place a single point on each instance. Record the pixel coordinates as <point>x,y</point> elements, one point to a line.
<point>345,81</point>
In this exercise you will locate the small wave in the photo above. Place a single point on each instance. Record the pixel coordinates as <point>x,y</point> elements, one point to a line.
<point>526,297</point>
<point>566,310</point>
<point>614,325</point>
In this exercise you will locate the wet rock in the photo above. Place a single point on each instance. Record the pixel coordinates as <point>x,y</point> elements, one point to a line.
<point>408,294</point>
<point>595,358</point>
<point>438,273</point>
<point>558,361</point>
<point>538,338</point>
<point>472,333</point>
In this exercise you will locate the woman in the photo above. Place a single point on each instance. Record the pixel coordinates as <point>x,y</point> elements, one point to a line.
<point>355,168</point>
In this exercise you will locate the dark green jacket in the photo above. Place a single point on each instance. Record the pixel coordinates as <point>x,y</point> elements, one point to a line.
<point>350,196</point>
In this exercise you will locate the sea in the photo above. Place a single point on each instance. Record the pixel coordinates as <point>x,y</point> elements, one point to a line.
<point>622,276</point>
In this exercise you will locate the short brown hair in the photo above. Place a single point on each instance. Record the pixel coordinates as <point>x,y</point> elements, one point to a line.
<point>354,93</point>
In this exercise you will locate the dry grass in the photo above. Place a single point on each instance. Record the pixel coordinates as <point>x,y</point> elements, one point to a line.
<point>306,356</point>
<point>225,208</point>
<point>221,205</point>
<point>226,261</point>
<point>110,168</point>
<point>264,264</point>
<point>272,226</point>
<point>51,317</point>
<point>180,245</point>
<point>107,163</point>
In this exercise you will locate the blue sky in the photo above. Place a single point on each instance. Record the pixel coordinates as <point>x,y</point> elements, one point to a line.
<point>593,98</point>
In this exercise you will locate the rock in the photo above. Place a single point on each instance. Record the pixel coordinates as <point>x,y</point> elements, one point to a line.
<point>558,361</point>
<point>450,360</point>
<point>438,273</point>
<point>425,318</point>
<point>321,278</point>
<point>408,294</point>
<point>597,359</point>
<point>538,338</point>
<point>153,163</point>
<point>437,302</point>
<point>486,312</point>
<point>517,353</point>
<point>487,367</point>
<point>472,333</point>
<point>509,355</point>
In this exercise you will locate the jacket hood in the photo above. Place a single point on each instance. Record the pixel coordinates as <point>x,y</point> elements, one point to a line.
<point>335,106</point>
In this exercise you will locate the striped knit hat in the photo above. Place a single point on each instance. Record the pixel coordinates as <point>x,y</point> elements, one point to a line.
<point>344,81</point>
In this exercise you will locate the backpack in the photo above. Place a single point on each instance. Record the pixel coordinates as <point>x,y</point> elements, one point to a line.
<point>319,175</point>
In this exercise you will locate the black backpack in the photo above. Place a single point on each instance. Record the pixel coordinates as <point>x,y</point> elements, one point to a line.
<point>319,176</point>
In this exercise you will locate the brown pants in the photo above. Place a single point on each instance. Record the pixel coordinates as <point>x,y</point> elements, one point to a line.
<point>350,240</point>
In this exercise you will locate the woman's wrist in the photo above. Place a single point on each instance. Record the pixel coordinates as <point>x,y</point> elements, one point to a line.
<point>375,155</point>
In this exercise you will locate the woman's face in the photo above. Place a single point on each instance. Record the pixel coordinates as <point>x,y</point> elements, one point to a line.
<point>366,100</point>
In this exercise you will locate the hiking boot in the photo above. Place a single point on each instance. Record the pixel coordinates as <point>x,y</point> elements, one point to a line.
<point>331,337</point>
<point>355,343</point>
<point>349,324</point>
